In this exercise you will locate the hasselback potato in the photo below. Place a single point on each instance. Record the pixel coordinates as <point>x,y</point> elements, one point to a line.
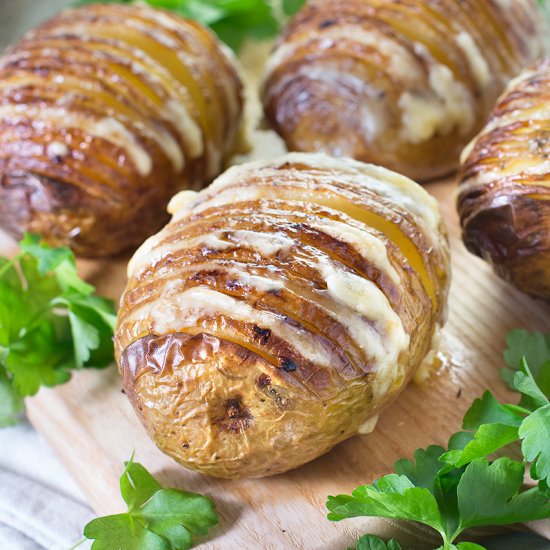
<point>504,194</point>
<point>105,112</point>
<point>280,310</point>
<point>402,83</point>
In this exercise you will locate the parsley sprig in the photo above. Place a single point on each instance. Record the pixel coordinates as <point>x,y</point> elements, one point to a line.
<point>371,542</point>
<point>157,518</point>
<point>232,20</point>
<point>464,486</point>
<point>50,323</point>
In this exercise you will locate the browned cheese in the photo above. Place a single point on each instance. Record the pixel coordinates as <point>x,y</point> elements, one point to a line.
<point>401,83</point>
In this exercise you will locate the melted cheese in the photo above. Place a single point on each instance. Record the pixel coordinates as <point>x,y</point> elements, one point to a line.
<point>261,284</point>
<point>57,149</point>
<point>370,115</point>
<point>66,87</point>
<point>429,363</point>
<point>368,426</point>
<point>267,244</point>
<point>391,230</point>
<point>368,245</point>
<point>188,129</point>
<point>476,60</point>
<point>181,203</point>
<point>177,311</point>
<point>399,60</point>
<point>356,303</point>
<point>109,129</point>
<point>398,189</point>
<point>447,106</point>
<point>362,296</point>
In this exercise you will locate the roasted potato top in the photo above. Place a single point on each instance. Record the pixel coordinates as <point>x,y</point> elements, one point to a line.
<point>105,112</point>
<point>401,83</point>
<point>504,198</point>
<point>279,310</point>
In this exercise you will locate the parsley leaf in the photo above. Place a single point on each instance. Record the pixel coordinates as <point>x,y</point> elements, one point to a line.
<point>535,348</point>
<point>487,410</point>
<point>488,439</point>
<point>524,382</point>
<point>178,515</point>
<point>50,323</point>
<point>137,485</point>
<point>425,468</point>
<point>11,403</point>
<point>535,445</point>
<point>488,494</point>
<point>123,533</point>
<point>371,542</point>
<point>157,518</point>
<point>496,426</point>
<point>391,496</point>
<point>291,7</point>
<point>48,258</point>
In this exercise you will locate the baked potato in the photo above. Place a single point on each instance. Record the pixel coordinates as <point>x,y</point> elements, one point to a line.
<point>402,83</point>
<point>279,311</point>
<point>106,111</point>
<point>504,194</point>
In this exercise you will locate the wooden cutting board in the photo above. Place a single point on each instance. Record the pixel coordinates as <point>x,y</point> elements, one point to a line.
<point>93,429</point>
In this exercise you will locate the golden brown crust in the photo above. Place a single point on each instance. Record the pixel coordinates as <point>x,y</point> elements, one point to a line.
<point>224,410</point>
<point>280,310</point>
<point>504,199</point>
<point>405,84</point>
<point>105,112</point>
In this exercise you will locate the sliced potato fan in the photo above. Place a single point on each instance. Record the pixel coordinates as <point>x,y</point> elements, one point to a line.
<point>504,195</point>
<point>105,112</point>
<point>401,83</point>
<point>280,310</point>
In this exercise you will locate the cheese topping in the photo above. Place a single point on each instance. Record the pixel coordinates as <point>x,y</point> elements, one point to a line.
<point>478,64</point>
<point>303,289</point>
<point>174,312</point>
<point>268,244</point>
<point>398,189</point>
<point>399,60</point>
<point>448,104</point>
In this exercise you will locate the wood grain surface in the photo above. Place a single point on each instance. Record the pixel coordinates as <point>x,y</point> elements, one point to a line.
<point>91,425</point>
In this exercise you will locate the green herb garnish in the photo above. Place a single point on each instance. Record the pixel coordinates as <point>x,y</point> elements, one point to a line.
<point>464,486</point>
<point>371,542</point>
<point>232,20</point>
<point>157,518</point>
<point>50,323</point>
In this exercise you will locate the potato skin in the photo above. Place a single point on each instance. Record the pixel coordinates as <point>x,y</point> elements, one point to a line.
<point>105,112</point>
<point>279,311</point>
<point>404,84</point>
<point>504,196</point>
